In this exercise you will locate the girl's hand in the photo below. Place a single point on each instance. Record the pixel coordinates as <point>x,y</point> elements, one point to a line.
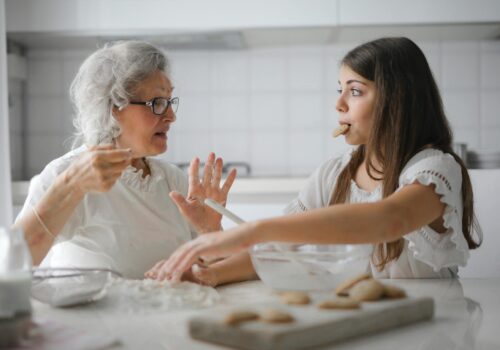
<point>98,169</point>
<point>211,244</point>
<point>203,218</point>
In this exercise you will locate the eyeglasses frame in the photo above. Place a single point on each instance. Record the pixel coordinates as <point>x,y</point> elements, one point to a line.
<point>151,102</point>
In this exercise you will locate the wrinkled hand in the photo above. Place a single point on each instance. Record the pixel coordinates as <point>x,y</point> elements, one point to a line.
<point>207,245</point>
<point>98,169</point>
<point>202,217</point>
<point>198,273</point>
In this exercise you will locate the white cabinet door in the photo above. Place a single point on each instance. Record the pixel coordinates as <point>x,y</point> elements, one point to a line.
<point>394,12</point>
<point>135,17</point>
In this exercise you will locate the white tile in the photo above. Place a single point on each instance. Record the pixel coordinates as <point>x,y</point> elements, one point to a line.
<point>462,108</point>
<point>490,109</point>
<point>76,55</point>
<point>490,139</point>
<point>45,78</point>
<point>193,144</point>
<point>268,73</point>
<point>306,111</point>
<point>268,111</point>
<point>332,67</point>
<point>42,149</point>
<point>195,112</point>
<point>269,153</point>
<point>460,45</point>
<point>68,116</point>
<point>231,72</point>
<point>43,54</point>
<point>460,67</point>
<point>305,151</point>
<point>232,146</point>
<point>15,87</point>
<point>16,155</point>
<point>45,114</point>
<point>490,70</point>
<point>469,136</point>
<point>192,72</point>
<point>69,70</point>
<point>230,112</point>
<point>306,71</point>
<point>15,114</point>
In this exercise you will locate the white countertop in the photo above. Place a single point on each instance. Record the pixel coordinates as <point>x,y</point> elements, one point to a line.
<point>467,315</point>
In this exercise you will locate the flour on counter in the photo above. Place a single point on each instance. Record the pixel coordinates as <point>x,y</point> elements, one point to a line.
<point>150,295</point>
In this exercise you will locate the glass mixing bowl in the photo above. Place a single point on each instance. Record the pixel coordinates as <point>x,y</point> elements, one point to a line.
<point>63,287</point>
<point>289,266</point>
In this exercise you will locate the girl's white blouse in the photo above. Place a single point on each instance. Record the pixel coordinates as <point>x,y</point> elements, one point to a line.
<point>129,228</point>
<point>426,254</point>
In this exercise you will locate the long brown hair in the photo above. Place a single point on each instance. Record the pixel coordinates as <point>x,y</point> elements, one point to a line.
<point>408,117</point>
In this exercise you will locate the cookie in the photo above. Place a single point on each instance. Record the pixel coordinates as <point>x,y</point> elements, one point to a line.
<point>341,130</point>
<point>343,288</point>
<point>236,317</point>
<point>275,316</point>
<point>295,298</point>
<point>340,303</point>
<point>367,290</point>
<point>393,292</point>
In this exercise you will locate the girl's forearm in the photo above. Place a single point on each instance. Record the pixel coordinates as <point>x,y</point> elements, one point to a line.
<point>337,224</point>
<point>236,268</point>
<point>54,209</point>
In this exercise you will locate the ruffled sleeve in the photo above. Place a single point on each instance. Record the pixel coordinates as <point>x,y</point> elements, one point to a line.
<point>319,187</point>
<point>438,250</point>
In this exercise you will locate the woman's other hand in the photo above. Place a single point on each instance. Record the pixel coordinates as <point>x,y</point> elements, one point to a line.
<point>203,218</point>
<point>199,273</point>
<point>208,245</point>
<point>98,169</point>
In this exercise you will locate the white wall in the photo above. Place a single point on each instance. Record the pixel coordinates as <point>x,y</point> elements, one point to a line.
<point>5,189</point>
<point>271,107</point>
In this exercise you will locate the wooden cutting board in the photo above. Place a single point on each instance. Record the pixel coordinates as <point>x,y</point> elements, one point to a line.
<point>312,326</point>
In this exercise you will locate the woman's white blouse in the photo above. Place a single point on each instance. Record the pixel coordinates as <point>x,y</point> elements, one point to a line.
<point>426,253</point>
<point>129,228</point>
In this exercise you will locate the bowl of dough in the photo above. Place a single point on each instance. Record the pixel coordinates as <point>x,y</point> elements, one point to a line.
<point>311,267</point>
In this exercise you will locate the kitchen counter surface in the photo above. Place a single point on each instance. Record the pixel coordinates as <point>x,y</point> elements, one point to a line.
<point>467,315</point>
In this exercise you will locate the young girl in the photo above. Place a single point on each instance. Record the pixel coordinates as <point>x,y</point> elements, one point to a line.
<point>402,188</point>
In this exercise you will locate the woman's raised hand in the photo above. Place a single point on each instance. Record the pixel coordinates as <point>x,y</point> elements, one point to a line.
<point>203,218</point>
<point>98,169</point>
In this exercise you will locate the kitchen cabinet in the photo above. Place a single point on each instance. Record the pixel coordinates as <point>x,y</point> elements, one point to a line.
<point>422,12</point>
<point>131,18</point>
<point>120,17</point>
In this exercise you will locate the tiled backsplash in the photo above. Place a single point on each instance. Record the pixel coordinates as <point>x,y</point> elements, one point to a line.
<point>273,108</point>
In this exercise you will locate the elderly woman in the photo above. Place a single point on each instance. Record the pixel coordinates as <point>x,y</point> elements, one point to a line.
<point>107,203</point>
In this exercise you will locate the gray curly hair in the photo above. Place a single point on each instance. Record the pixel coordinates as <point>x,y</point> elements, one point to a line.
<point>107,78</point>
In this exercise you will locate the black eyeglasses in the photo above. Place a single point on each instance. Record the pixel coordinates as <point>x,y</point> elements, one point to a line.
<point>159,105</point>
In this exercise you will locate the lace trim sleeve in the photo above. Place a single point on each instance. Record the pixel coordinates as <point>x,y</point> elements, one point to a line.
<point>439,250</point>
<point>295,206</point>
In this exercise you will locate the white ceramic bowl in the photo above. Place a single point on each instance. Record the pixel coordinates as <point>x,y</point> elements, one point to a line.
<point>286,266</point>
<point>63,287</point>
